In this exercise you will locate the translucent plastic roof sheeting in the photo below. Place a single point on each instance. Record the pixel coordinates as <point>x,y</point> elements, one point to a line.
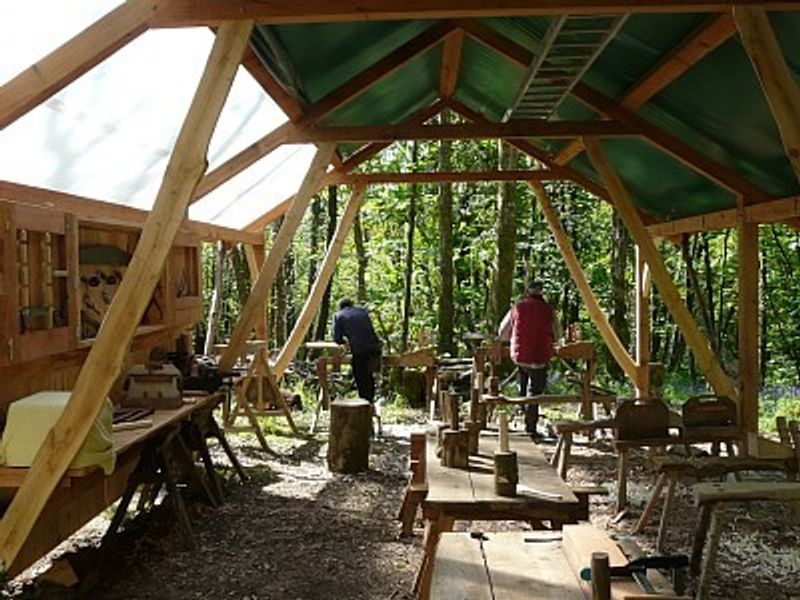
<point>110,133</point>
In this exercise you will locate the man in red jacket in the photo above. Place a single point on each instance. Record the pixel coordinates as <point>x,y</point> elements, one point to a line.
<point>533,329</point>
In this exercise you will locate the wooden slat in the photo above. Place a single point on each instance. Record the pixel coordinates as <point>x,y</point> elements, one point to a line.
<point>695,340</point>
<point>187,13</point>
<point>777,79</point>
<point>317,290</point>
<point>451,63</point>
<point>341,95</point>
<point>459,571</point>
<point>596,313</point>
<point>529,565</point>
<point>521,128</point>
<point>106,357</point>
<point>280,245</point>
<point>74,58</point>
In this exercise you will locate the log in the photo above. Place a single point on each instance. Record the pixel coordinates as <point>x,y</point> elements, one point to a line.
<point>350,433</point>
<point>455,448</point>
<point>474,431</point>
<point>506,474</point>
<point>453,406</point>
<point>601,576</point>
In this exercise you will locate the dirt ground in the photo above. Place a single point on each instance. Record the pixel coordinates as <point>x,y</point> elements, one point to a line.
<point>294,531</point>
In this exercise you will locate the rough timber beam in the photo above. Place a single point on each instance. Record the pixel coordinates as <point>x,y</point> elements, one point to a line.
<point>748,315</point>
<point>106,357</point>
<point>527,128</point>
<point>596,313</point>
<point>341,95</point>
<point>74,58</point>
<point>695,340</point>
<point>351,162</point>
<point>709,36</point>
<point>280,245</point>
<point>451,63</point>
<point>324,275</point>
<point>775,211</point>
<point>448,176</point>
<point>777,79</point>
<point>183,13</point>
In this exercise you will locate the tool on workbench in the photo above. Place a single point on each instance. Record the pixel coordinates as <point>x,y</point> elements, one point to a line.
<point>637,569</point>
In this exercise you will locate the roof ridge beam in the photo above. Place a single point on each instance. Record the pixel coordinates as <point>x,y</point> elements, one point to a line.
<point>333,100</point>
<point>185,13</point>
<point>75,57</point>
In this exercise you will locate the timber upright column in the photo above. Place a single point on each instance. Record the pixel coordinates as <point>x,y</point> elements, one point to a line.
<point>350,432</point>
<point>749,360</point>
<point>642,326</point>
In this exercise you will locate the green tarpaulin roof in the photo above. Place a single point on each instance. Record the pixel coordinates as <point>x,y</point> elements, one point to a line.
<point>717,106</point>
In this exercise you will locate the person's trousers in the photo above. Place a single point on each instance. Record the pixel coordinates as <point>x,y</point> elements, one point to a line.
<point>365,365</point>
<point>532,383</point>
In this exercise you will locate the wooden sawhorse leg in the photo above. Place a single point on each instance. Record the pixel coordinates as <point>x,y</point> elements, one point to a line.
<point>655,497</point>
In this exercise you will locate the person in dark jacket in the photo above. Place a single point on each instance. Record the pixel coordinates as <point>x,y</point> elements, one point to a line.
<point>533,329</point>
<point>353,325</point>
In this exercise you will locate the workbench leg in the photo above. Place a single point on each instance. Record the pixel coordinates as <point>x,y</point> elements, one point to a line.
<point>661,541</point>
<point>122,510</point>
<point>211,472</point>
<point>556,458</point>
<point>622,481</point>
<point>188,458</point>
<point>408,511</point>
<point>699,541</point>
<point>655,497</point>
<point>223,441</point>
<point>177,502</point>
<point>433,531</point>
<point>717,525</point>
<point>563,465</point>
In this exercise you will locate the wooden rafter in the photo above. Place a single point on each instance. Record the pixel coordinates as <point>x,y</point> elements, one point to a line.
<point>448,176</point>
<point>710,35</point>
<point>290,105</point>
<point>777,79</point>
<point>92,209</point>
<point>526,128</point>
<point>695,340</point>
<point>598,316</point>
<point>353,161</point>
<point>451,63</point>
<point>280,245</point>
<point>106,357</point>
<point>74,58</point>
<point>184,13</point>
<point>341,95</point>
<point>667,142</point>
<point>324,275</point>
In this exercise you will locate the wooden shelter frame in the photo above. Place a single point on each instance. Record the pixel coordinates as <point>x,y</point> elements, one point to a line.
<point>186,179</point>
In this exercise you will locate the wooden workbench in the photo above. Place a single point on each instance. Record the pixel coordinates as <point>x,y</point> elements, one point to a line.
<point>84,493</point>
<point>527,565</point>
<point>468,494</point>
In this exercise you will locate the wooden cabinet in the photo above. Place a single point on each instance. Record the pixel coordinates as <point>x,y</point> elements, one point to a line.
<point>59,274</point>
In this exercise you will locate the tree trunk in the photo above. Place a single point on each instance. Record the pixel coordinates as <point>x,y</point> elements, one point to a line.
<point>313,242</point>
<point>446,305</point>
<point>241,275</point>
<point>216,299</point>
<point>409,275</point>
<point>361,260</point>
<point>506,239</point>
<point>325,305</point>
<point>619,291</point>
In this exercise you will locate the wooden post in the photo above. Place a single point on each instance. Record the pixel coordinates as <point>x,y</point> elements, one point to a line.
<point>506,473</point>
<point>106,357</point>
<point>601,576</point>
<point>254,253</point>
<point>643,289</point>
<point>695,340</point>
<point>453,406</point>
<point>596,313</point>
<point>261,288</point>
<point>320,285</point>
<point>777,80</point>
<point>350,433</point>
<point>749,367</point>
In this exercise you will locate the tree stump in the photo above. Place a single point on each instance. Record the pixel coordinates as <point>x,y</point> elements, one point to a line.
<point>350,433</point>
<point>506,474</point>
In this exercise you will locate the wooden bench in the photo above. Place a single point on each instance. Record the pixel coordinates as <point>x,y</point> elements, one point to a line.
<point>84,493</point>
<point>711,498</point>
<point>530,565</point>
<point>671,469</point>
<point>565,430</point>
